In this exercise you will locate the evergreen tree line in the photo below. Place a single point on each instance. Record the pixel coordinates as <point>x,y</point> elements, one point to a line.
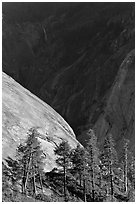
<point>82,174</point>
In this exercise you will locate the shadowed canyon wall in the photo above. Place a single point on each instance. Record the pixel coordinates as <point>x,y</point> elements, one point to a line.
<point>76,57</point>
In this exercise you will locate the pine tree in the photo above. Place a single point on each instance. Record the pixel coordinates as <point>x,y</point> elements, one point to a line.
<point>30,157</point>
<point>93,161</point>
<point>109,161</point>
<point>80,168</point>
<point>131,169</point>
<point>77,158</point>
<point>63,151</point>
<point>85,175</point>
<point>13,168</point>
<point>128,164</point>
<point>131,177</point>
<point>7,191</point>
<point>125,164</point>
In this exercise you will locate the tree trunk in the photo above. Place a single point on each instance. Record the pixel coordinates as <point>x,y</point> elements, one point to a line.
<point>125,172</point>
<point>65,197</point>
<point>23,185</point>
<point>34,185</point>
<point>41,183</point>
<point>111,184</point>
<point>80,179</point>
<point>93,186</point>
<point>93,195</point>
<point>27,174</point>
<point>85,198</point>
<point>23,179</point>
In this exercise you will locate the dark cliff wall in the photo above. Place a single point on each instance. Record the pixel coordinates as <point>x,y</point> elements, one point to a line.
<point>71,56</point>
<point>118,115</point>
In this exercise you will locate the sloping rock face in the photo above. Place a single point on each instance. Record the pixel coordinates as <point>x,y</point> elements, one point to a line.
<point>70,58</point>
<point>21,111</point>
<point>118,117</point>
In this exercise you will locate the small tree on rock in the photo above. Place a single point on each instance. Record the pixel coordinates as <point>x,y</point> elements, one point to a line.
<point>63,152</point>
<point>77,158</point>
<point>30,157</point>
<point>80,167</point>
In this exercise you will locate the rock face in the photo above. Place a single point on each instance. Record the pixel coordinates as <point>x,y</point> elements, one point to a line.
<point>22,110</point>
<point>71,57</point>
<point>119,112</point>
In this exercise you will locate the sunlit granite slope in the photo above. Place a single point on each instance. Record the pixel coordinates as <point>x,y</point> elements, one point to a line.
<point>21,111</point>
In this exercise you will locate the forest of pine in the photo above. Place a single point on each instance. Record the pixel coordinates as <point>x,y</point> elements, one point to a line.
<point>83,174</point>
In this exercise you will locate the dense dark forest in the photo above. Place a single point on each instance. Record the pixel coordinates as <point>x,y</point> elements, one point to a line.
<point>79,58</point>
<point>82,174</point>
